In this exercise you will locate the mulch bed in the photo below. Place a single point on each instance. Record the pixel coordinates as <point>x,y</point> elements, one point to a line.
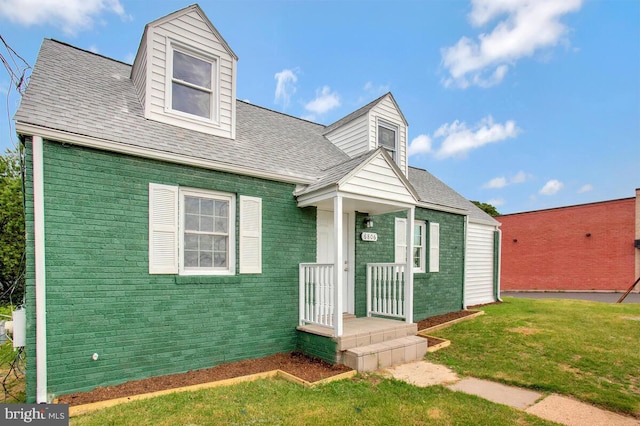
<point>432,341</point>
<point>296,363</point>
<point>300,365</point>
<point>441,319</point>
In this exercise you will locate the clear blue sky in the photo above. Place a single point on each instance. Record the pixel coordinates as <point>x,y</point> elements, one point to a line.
<point>525,105</point>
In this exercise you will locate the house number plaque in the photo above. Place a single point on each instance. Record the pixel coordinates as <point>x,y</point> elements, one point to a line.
<point>369,236</point>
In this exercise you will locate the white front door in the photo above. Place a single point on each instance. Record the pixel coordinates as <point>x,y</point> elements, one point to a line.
<point>326,249</point>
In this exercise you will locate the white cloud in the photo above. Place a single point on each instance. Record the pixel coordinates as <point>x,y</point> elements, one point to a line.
<point>496,202</point>
<point>520,177</point>
<point>585,188</point>
<point>93,48</point>
<point>285,86</point>
<point>525,27</point>
<point>376,90</point>
<point>460,139</point>
<point>421,144</point>
<point>551,187</point>
<point>499,182</point>
<point>325,101</point>
<point>71,16</point>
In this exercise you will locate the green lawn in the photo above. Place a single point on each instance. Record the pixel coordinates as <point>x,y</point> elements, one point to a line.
<point>587,350</point>
<point>370,401</point>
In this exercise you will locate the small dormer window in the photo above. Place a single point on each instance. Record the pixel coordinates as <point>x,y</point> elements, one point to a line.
<point>388,138</point>
<point>192,84</point>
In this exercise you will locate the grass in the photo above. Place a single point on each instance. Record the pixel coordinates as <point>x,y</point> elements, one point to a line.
<point>15,386</point>
<point>587,350</point>
<point>370,401</point>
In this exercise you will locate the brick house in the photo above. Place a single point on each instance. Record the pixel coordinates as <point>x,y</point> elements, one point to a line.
<point>172,227</point>
<point>586,247</point>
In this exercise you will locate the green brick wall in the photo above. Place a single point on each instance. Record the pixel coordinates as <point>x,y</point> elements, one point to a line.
<point>100,297</point>
<point>434,293</point>
<point>321,347</point>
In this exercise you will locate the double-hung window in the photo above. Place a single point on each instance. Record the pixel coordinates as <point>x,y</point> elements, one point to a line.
<point>207,240</point>
<point>426,245</point>
<point>388,138</point>
<point>419,234</point>
<point>193,232</point>
<point>192,83</point>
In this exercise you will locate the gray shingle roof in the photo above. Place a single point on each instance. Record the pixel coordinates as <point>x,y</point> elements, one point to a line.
<point>432,190</point>
<point>360,112</point>
<point>87,94</point>
<point>79,92</point>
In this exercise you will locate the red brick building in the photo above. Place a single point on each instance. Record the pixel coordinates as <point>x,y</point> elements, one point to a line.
<point>584,247</point>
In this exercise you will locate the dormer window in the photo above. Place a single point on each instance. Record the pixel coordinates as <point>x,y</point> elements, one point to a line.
<point>388,138</point>
<point>192,84</point>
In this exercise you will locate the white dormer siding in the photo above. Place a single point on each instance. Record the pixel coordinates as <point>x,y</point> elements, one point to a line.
<point>139,70</point>
<point>187,35</point>
<point>352,137</point>
<point>385,113</point>
<point>360,134</point>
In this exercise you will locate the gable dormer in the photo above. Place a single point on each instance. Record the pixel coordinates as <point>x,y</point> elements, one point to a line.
<point>185,74</point>
<point>379,123</point>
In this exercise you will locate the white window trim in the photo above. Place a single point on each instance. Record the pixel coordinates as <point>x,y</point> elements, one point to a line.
<point>231,261</point>
<point>395,129</point>
<point>215,86</point>
<point>423,225</point>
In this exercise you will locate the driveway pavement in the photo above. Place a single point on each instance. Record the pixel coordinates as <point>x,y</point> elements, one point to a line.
<point>633,297</point>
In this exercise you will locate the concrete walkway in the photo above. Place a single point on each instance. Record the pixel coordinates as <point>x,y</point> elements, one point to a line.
<point>556,408</point>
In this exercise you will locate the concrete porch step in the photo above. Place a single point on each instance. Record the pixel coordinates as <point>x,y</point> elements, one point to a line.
<point>367,331</point>
<point>384,354</point>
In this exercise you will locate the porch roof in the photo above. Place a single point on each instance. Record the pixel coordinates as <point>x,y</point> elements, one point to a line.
<point>371,182</point>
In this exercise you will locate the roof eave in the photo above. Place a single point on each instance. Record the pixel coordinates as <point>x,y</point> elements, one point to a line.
<point>28,129</point>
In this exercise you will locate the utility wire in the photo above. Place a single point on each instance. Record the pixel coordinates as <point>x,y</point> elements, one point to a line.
<point>18,69</point>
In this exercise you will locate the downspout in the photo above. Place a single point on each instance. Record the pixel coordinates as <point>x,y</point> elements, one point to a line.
<point>40,275</point>
<point>498,255</point>
<point>464,262</point>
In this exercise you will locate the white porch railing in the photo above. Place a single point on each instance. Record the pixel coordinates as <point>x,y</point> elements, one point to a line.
<point>317,290</point>
<point>386,289</point>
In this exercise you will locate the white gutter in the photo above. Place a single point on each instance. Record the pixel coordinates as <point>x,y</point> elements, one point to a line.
<point>40,284</point>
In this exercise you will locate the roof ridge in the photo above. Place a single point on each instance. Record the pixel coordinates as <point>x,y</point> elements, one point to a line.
<point>279,112</point>
<point>64,43</point>
<point>354,114</point>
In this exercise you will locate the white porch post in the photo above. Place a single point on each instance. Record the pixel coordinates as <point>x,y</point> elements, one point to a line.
<point>338,264</point>
<point>408,298</point>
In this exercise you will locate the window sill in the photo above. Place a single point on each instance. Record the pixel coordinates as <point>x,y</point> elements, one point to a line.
<point>207,279</point>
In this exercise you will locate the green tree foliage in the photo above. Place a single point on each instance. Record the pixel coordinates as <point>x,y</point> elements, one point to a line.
<point>487,208</point>
<point>12,236</point>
